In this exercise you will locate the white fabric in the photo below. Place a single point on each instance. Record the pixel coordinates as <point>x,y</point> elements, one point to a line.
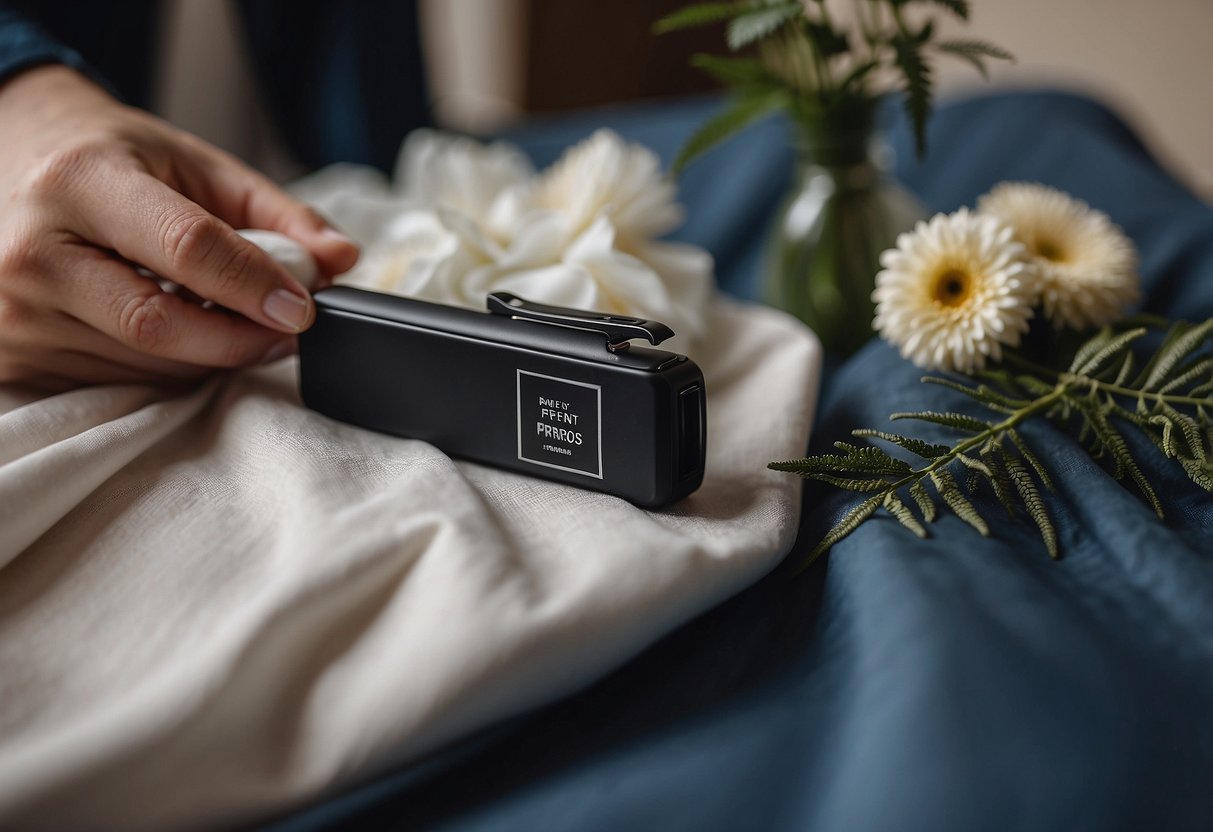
<point>461,218</point>
<point>217,605</point>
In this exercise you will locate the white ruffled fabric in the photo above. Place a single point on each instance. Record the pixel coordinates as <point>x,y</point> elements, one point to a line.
<point>461,219</point>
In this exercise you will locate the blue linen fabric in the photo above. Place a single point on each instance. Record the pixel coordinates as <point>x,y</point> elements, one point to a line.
<point>954,683</point>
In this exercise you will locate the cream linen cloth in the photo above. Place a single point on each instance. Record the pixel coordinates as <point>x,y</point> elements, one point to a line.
<point>216,606</point>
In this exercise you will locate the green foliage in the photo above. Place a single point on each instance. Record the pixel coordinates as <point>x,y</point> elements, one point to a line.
<point>743,111</point>
<point>908,54</point>
<point>700,14</point>
<point>820,67</point>
<point>1181,341</point>
<point>1095,354</point>
<point>743,73</point>
<point>1033,501</point>
<point>1169,401</point>
<point>760,21</point>
<point>958,7</point>
<point>975,52</point>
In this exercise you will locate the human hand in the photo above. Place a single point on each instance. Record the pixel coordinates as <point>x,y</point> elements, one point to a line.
<point>90,190</point>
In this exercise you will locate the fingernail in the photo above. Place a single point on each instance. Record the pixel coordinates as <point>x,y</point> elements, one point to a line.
<point>333,234</point>
<point>287,308</point>
<point>280,350</point>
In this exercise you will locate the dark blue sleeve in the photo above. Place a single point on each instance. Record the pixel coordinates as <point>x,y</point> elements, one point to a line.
<point>24,45</point>
<point>110,41</point>
<point>343,81</point>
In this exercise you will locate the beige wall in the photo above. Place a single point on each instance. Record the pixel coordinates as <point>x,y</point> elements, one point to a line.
<point>1151,59</point>
<point>475,54</point>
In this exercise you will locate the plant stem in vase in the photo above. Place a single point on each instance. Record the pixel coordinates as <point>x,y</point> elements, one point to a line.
<point>825,72</point>
<point>843,211</point>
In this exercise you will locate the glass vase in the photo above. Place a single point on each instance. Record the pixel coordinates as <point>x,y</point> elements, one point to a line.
<point>843,211</point>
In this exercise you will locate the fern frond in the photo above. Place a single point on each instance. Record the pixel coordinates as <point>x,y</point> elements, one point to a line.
<point>1033,385</point>
<point>907,54</point>
<point>1000,477</point>
<point>976,465</point>
<point>982,393</point>
<point>867,460</point>
<point>848,483</point>
<point>1034,503</point>
<point>975,52</point>
<point>1126,369</point>
<point>918,447</point>
<point>1089,347</point>
<point>1198,369</point>
<point>1032,459</point>
<point>951,494</point>
<point>1100,349</point>
<point>1172,403</point>
<point>756,22</point>
<point>1174,350</point>
<point>849,523</point>
<point>871,458</point>
<point>1199,472</point>
<point>903,514</point>
<point>1116,445</point>
<point>700,14</point>
<point>1173,332</point>
<point>1189,429</point>
<point>956,421</point>
<point>1166,442</point>
<point>925,504</point>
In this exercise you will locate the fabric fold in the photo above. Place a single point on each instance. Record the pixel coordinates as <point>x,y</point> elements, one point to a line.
<point>218,605</point>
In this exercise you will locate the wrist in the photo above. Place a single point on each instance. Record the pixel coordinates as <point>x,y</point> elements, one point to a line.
<point>53,80</point>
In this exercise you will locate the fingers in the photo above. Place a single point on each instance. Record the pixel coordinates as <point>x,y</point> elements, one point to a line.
<point>247,199</point>
<point>69,336</point>
<point>80,367</point>
<point>92,189</point>
<point>108,296</point>
<point>268,207</point>
<point>149,223</point>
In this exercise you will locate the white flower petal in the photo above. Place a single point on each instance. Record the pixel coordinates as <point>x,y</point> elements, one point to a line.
<point>993,309</point>
<point>466,219</point>
<point>440,170</point>
<point>1085,265</point>
<point>604,175</point>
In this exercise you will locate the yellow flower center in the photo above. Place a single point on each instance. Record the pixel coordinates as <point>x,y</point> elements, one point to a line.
<point>1050,250</point>
<point>952,287</point>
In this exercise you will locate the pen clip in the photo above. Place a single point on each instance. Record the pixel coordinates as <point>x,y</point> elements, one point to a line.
<point>618,329</point>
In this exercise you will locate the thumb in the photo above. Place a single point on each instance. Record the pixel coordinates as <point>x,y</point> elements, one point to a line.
<point>246,199</point>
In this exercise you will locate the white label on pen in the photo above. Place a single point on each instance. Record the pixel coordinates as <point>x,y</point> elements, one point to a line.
<point>560,423</point>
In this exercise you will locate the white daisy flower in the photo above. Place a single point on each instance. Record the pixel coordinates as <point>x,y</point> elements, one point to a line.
<point>1086,266</point>
<point>954,291</point>
<point>606,176</point>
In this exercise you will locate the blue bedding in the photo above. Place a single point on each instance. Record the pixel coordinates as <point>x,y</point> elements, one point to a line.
<point>954,683</point>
